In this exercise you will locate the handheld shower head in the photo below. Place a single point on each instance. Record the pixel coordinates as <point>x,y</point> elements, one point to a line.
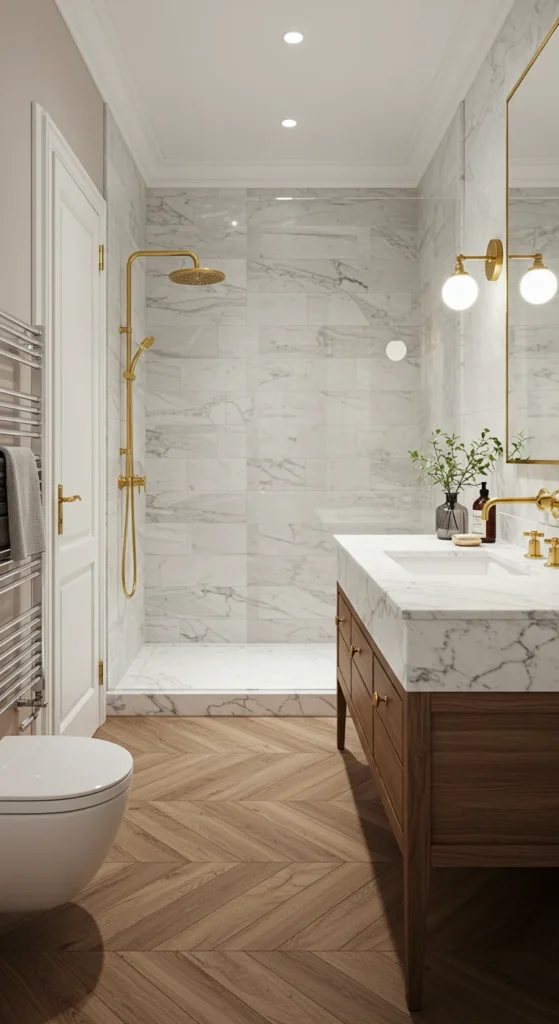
<point>196,276</point>
<point>146,343</point>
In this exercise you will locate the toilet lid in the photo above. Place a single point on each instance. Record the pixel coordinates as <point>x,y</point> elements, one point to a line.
<point>37,770</point>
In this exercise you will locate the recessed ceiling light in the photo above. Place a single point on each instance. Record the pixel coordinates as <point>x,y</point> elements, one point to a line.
<point>289,122</point>
<point>284,199</point>
<point>293,37</point>
<point>234,223</point>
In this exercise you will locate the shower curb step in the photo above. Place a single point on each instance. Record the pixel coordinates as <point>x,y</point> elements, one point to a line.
<point>190,703</point>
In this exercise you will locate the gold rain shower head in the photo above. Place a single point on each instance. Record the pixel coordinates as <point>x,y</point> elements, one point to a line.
<point>196,276</point>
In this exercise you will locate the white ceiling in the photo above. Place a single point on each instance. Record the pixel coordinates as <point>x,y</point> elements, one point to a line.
<point>199,88</point>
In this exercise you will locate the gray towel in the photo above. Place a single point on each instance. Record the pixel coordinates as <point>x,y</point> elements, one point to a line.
<point>25,512</point>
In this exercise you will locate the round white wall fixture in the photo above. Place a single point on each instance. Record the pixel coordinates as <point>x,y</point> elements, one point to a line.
<point>396,350</point>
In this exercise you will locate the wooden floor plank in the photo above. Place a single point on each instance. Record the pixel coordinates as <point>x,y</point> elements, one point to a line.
<point>345,997</point>
<point>226,835</point>
<point>285,921</point>
<point>275,999</point>
<point>224,923</point>
<point>163,923</point>
<point>255,880</point>
<point>192,989</point>
<point>125,991</point>
<point>55,992</point>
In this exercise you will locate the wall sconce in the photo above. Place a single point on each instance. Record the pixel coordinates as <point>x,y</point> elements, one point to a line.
<point>539,283</point>
<point>460,290</point>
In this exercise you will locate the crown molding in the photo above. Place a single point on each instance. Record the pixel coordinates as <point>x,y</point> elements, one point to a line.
<point>288,174</point>
<point>455,75</point>
<point>87,25</point>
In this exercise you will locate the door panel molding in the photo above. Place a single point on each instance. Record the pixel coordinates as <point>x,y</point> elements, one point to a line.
<point>52,159</point>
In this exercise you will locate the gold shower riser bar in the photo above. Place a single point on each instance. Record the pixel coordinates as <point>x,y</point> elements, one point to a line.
<point>195,275</point>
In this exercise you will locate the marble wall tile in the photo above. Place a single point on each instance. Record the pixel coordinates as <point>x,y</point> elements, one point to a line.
<point>273,414</point>
<point>172,305</point>
<point>273,309</point>
<point>182,507</point>
<point>462,200</point>
<point>178,570</point>
<point>213,225</point>
<point>197,601</point>
<point>289,601</point>
<point>178,442</point>
<point>309,277</point>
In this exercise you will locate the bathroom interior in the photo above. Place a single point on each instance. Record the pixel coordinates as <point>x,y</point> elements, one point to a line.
<point>279,512</point>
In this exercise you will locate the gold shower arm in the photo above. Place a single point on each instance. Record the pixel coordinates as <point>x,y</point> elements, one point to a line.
<point>127,329</point>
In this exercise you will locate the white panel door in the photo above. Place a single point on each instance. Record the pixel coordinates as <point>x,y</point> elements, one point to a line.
<point>77,340</point>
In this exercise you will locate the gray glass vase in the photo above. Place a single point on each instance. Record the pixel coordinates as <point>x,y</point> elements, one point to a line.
<point>451,518</point>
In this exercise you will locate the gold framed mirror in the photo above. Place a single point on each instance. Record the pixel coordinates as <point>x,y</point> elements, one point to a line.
<point>532,245</point>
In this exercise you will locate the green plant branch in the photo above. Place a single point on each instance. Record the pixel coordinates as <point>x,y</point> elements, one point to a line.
<point>452,464</point>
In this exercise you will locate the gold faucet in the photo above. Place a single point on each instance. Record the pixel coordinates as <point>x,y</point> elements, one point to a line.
<point>553,557</point>
<point>545,501</point>
<point>534,549</point>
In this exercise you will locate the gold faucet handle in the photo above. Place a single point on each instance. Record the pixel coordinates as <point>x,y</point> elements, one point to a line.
<point>553,556</point>
<point>534,550</point>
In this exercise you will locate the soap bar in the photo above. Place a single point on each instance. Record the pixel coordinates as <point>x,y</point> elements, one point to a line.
<point>466,540</point>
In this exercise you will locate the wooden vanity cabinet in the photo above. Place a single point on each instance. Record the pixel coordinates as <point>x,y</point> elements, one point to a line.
<point>466,778</point>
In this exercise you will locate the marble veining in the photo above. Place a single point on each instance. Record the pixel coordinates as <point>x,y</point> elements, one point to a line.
<point>271,405</point>
<point>228,679</point>
<point>455,632</point>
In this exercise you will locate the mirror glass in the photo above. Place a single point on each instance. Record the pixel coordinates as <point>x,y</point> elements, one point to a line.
<point>533,227</point>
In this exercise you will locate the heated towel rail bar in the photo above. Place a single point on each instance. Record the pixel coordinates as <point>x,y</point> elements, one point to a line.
<point>21,613</point>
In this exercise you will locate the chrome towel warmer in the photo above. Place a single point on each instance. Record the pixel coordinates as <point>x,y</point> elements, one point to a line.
<point>21,583</point>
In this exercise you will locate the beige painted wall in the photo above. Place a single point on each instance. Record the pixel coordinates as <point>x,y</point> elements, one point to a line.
<point>38,61</point>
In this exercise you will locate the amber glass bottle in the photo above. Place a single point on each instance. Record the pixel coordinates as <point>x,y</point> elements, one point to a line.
<point>486,530</point>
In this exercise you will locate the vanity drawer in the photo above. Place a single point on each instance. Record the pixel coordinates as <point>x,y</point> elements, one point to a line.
<point>344,620</point>
<point>389,767</point>
<point>344,662</point>
<point>363,656</point>
<point>391,713</point>
<point>363,706</point>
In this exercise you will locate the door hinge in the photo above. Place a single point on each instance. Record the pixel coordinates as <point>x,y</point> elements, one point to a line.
<point>101,257</point>
<point>101,673</point>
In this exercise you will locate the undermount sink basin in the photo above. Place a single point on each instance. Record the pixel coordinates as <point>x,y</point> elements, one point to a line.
<point>455,563</point>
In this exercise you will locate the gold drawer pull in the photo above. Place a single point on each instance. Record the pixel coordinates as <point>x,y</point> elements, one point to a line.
<point>354,650</point>
<point>377,699</point>
<point>337,620</point>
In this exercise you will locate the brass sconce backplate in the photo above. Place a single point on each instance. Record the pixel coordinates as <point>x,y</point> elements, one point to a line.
<point>494,259</point>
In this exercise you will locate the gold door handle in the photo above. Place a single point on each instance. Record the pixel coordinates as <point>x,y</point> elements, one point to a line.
<point>61,502</point>
<point>338,620</point>
<point>354,650</point>
<point>377,699</point>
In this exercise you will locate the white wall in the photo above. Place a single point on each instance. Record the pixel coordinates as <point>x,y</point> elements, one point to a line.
<point>464,354</point>
<point>40,62</point>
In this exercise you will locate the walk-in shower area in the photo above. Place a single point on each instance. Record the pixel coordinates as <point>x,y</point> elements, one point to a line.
<point>269,417</point>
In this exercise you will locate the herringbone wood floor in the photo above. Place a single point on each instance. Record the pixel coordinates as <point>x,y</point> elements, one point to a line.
<point>256,881</point>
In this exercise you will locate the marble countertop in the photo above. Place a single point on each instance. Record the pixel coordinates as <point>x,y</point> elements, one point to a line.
<point>536,589</point>
<point>461,632</point>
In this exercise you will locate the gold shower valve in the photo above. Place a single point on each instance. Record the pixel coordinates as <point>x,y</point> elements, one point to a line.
<point>132,481</point>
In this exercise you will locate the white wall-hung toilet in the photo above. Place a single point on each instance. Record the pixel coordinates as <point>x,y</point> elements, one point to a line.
<point>62,799</point>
